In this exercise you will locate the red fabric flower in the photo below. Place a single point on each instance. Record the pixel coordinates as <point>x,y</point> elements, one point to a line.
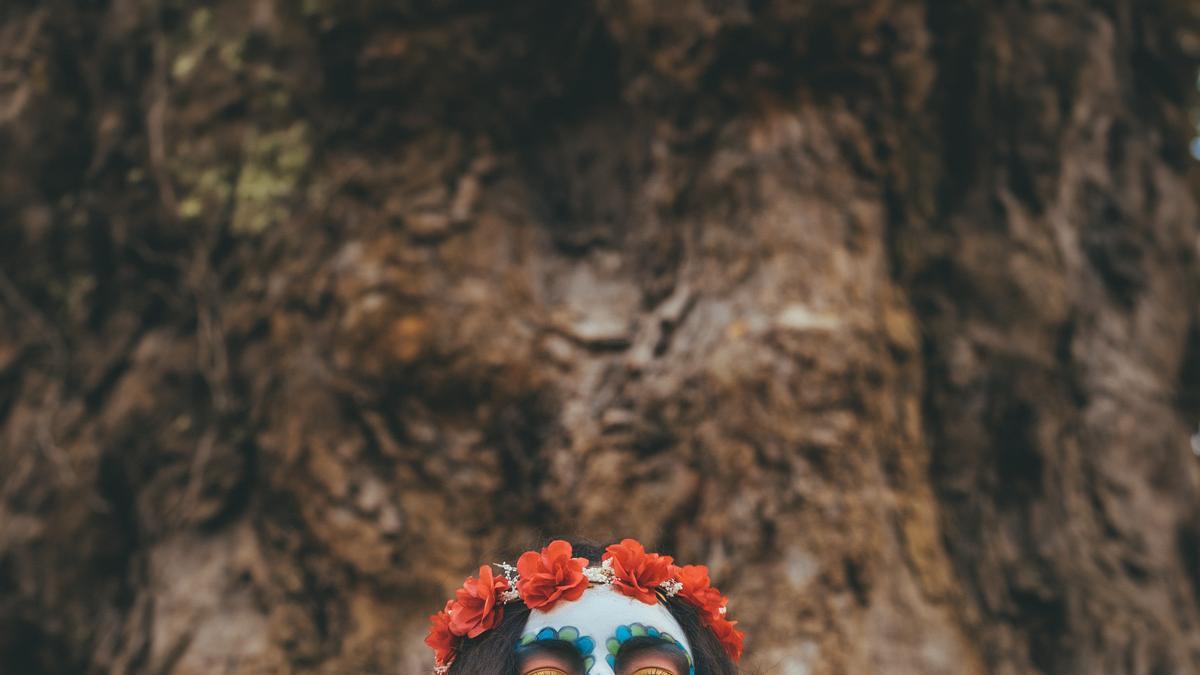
<point>731,638</point>
<point>699,592</point>
<point>637,573</point>
<point>478,607</point>
<point>443,642</point>
<point>551,576</point>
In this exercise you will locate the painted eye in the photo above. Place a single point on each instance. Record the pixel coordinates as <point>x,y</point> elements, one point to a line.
<point>550,671</point>
<point>652,670</point>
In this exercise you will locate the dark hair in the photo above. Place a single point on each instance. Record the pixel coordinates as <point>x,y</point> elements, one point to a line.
<point>494,653</point>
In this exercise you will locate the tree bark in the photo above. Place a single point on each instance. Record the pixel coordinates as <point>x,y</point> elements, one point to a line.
<point>887,310</point>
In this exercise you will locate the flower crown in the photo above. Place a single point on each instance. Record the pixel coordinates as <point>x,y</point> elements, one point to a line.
<point>542,579</point>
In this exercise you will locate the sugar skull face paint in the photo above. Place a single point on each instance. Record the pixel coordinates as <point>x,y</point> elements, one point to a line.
<point>603,621</point>
<point>597,613</point>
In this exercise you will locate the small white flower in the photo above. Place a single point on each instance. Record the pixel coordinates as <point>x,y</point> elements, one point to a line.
<point>599,575</point>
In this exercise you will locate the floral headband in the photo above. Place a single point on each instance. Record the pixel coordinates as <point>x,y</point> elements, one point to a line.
<point>543,579</point>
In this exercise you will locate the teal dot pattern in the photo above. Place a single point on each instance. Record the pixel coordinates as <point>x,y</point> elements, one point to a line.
<point>569,634</point>
<point>624,633</point>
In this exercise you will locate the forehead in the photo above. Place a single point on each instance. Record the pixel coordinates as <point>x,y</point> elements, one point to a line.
<point>601,612</point>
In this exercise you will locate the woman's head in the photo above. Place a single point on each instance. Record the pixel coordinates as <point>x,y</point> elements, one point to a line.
<point>640,614</point>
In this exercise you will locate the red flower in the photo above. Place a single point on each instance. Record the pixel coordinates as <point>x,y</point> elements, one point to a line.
<point>551,576</point>
<point>637,573</point>
<point>477,607</point>
<point>699,592</point>
<point>443,642</point>
<point>731,638</point>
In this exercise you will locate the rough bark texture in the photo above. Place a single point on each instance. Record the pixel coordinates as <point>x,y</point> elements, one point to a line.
<point>885,309</point>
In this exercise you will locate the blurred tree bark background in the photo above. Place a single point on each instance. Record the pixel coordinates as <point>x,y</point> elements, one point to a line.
<point>888,310</point>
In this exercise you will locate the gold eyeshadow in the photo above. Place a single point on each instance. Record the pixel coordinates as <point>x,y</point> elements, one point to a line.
<point>554,671</point>
<point>652,670</point>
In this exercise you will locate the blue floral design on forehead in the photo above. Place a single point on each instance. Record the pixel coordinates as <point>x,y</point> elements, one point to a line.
<point>626,633</point>
<point>584,644</point>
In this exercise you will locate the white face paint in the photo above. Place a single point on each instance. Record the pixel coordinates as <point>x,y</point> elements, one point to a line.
<point>603,614</point>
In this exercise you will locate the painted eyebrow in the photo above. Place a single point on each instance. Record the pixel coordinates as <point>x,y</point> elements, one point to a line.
<point>637,646</point>
<point>552,647</point>
<point>575,646</point>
